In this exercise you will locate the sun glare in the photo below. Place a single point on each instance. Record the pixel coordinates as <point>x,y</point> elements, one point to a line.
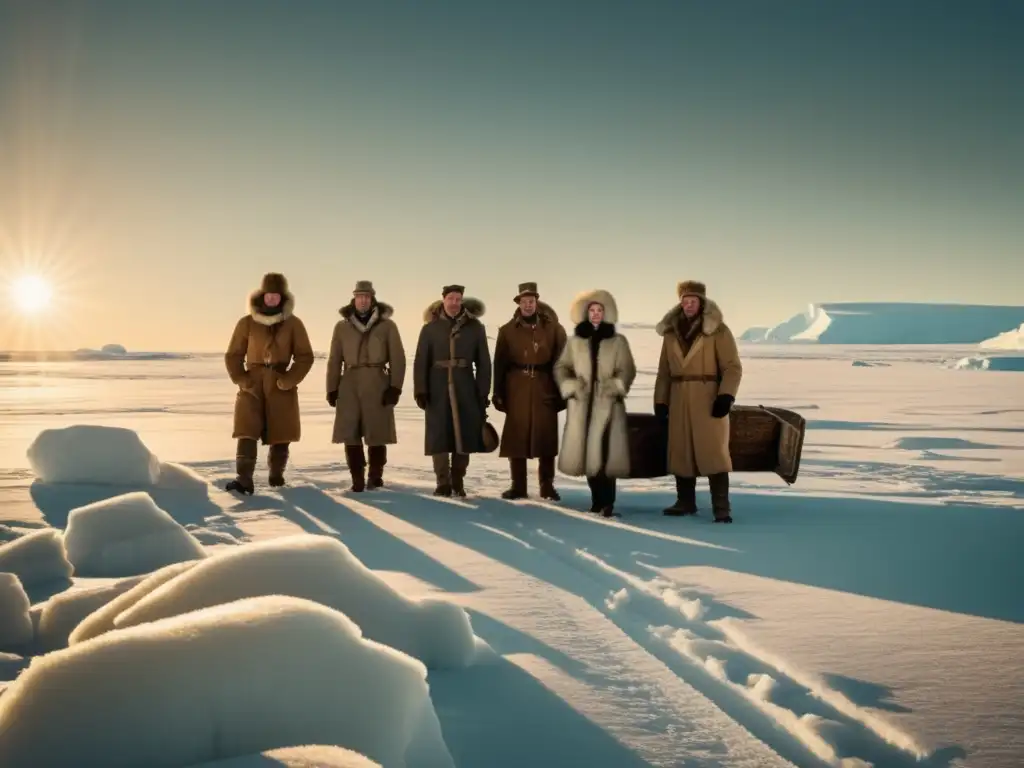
<point>31,294</point>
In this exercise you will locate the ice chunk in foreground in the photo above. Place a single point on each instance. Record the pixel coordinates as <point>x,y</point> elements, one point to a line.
<point>59,615</point>
<point>126,536</point>
<point>36,558</point>
<point>319,568</point>
<point>231,680</point>
<point>84,453</point>
<point>297,757</point>
<point>15,623</point>
<point>102,620</point>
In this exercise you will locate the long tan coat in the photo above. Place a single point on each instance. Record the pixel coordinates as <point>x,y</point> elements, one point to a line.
<point>594,374</point>
<point>363,362</point>
<point>452,368</point>
<point>688,382</point>
<point>258,357</point>
<point>524,358</point>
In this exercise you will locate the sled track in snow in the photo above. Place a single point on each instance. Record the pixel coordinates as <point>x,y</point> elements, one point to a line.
<point>761,692</point>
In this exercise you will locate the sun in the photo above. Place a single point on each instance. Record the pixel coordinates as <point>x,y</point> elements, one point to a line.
<point>31,294</point>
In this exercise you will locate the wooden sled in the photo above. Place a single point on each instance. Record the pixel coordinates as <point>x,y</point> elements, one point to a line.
<point>761,439</point>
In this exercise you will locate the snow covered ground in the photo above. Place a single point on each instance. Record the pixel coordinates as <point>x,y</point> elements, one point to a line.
<point>868,615</point>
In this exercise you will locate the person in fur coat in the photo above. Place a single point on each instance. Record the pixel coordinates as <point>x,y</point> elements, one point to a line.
<point>594,374</point>
<point>267,358</point>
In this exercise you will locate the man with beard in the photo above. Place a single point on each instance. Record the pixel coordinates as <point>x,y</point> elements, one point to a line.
<point>699,374</point>
<point>365,374</point>
<point>451,381</point>
<point>265,342</point>
<point>525,391</point>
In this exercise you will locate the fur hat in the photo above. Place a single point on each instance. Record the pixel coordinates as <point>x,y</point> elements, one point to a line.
<point>364,286</point>
<point>526,289</point>
<point>274,282</point>
<point>453,288</point>
<point>692,288</point>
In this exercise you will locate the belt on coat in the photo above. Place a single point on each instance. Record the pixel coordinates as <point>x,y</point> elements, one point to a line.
<point>532,370</point>
<point>698,377</point>
<point>279,367</point>
<point>458,362</point>
<point>363,365</point>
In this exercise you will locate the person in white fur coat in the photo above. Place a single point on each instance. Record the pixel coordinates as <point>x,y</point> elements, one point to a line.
<point>594,374</point>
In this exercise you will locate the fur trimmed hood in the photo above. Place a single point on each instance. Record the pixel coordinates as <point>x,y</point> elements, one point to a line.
<point>711,319</point>
<point>544,311</point>
<point>254,308</point>
<point>473,307</point>
<point>578,309</point>
<point>384,311</point>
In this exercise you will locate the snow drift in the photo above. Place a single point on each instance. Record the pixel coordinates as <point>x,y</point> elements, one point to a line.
<point>127,535</point>
<point>61,614</point>
<point>36,558</point>
<point>297,757</point>
<point>322,569</point>
<point>16,630</point>
<point>1011,340</point>
<point>102,619</point>
<point>891,323</point>
<point>1013,363</point>
<point>227,681</point>
<point>84,453</point>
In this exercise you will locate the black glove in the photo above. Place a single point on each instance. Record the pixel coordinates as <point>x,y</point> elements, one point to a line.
<point>661,411</point>
<point>332,398</point>
<point>390,396</point>
<point>722,406</point>
<point>499,403</point>
<point>421,401</point>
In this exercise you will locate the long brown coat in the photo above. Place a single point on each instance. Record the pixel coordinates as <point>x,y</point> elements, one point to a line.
<point>690,376</point>
<point>595,372</point>
<point>258,357</point>
<point>524,358</point>
<point>363,362</point>
<point>453,369</point>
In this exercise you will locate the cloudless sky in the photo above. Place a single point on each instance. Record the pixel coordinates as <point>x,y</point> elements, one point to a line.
<point>157,158</point>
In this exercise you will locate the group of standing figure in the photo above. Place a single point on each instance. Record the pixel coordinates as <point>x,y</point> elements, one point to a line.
<point>537,372</point>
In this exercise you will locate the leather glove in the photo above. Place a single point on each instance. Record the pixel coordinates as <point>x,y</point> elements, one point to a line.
<point>499,403</point>
<point>722,406</point>
<point>661,411</point>
<point>332,399</point>
<point>390,396</point>
<point>421,401</point>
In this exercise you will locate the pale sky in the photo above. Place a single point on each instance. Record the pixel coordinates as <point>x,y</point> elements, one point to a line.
<point>157,158</point>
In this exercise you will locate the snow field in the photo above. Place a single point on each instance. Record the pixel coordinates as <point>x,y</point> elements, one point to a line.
<point>229,680</point>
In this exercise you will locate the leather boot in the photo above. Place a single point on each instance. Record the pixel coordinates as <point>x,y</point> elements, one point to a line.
<point>245,466</point>
<point>546,478</point>
<point>277,460</point>
<point>720,497</point>
<point>356,460</point>
<point>686,497</point>
<point>608,495</point>
<point>378,458</point>
<point>443,474</point>
<point>517,468</point>
<point>460,463</point>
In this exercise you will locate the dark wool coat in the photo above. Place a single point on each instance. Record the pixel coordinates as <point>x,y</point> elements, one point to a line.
<point>524,381</point>
<point>452,368</point>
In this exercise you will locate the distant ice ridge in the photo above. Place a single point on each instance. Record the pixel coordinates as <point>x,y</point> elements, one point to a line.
<point>106,352</point>
<point>891,323</point>
<point>1012,340</point>
<point>1014,363</point>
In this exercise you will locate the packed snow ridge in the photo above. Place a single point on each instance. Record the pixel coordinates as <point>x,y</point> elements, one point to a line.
<point>891,323</point>
<point>269,672</point>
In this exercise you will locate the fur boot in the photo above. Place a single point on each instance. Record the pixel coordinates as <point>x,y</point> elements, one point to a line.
<point>686,497</point>
<point>378,458</point>
<point>517,468</point>
<point>245,466</point>
<point>546,478</point>
<point>720,497</point>
<point>277,461</point>
<point>356,460</point>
